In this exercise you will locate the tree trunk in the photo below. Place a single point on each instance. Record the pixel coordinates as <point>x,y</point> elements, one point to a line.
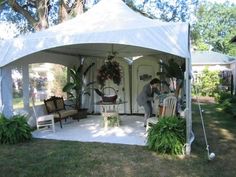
<point>67,11</point>
<point>42,11</point>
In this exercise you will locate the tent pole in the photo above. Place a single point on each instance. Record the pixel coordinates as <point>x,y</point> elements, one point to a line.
<point>188,106</point>
<point>26,84</point>
<point>7,89</point>
<point>1,102</point>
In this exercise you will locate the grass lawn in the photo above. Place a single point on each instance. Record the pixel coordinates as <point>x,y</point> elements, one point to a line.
<point>48,158</point>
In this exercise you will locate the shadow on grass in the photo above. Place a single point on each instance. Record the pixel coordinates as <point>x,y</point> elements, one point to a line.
<point>221,132</point>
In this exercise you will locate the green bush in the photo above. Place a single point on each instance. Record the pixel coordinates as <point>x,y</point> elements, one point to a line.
<point>167,136</point>
<point>208,84</point>
<point>226,106</point>
<point>222,96</point>
<point>229,106</point>
<point>14,130</point>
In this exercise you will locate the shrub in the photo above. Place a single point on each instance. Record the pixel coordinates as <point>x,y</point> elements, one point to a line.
<point>208,83</point>
<point>229,106</point>
<point>222,96</point>
<point>226,105</point>
<point>14,130</point>
<point>167,136</point>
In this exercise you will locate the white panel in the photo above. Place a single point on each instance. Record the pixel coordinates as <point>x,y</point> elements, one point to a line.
<point>143,71</point>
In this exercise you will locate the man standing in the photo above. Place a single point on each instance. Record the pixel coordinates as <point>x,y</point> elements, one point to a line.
<point>145,97</point>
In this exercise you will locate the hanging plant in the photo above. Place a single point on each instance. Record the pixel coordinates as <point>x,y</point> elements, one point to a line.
<point>110,70</point>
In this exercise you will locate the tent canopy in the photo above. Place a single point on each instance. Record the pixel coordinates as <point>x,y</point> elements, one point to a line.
<point>109,26</point>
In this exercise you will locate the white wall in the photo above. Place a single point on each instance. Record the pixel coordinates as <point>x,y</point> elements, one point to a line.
<point>123,89</point>
<point>148,66</point>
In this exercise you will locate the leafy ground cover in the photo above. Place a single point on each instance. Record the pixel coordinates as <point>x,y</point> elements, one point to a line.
<point>51,158</point>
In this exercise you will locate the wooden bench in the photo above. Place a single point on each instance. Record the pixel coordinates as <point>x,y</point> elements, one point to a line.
<point>56,106</point>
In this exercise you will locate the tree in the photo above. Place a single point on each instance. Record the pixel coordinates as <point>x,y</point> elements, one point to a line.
<point>37,12</point>
<point>165,10</point>
<point>214,27</point>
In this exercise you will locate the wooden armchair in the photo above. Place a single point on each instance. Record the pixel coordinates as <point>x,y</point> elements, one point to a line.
<point>56,106</point>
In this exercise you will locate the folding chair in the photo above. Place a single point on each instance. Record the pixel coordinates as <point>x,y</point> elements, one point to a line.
<point>44,121</point>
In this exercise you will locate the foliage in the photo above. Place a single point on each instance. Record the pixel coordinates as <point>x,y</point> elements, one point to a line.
<point>76,87</point>
<point>173,72</point>
<point>214,27</point>
<point>167,136</point>
<point>113,121</point>
<point>60,80</point>
<point>38,15</point>
<point>173,69</point>
<point>14,130</point>
<point>229,105</point>
<point>222,96</point>
<point>165,10</point>
<point>208,83</point>
<point>110,70</point>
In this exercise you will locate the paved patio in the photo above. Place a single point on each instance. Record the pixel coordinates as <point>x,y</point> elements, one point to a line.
<point>131,131</point>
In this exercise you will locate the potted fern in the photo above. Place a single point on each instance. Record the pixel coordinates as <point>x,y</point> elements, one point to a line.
<point>76,87</point>
<point>167,136</point>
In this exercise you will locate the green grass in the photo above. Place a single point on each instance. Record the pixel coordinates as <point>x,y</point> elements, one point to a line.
<point>18,103</point>
<point>49,158</point>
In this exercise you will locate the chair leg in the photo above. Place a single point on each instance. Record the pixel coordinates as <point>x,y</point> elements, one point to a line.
<point>60,123</point>
<point>53,127</point>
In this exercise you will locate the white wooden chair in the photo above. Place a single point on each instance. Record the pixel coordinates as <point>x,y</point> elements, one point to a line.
<point>44,121</point>
<point>168,109</point>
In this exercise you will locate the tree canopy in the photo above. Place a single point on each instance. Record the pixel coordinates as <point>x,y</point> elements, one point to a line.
<point>214,27</point>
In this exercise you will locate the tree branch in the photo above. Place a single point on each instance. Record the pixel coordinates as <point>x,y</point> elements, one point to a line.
<point>16,7</point>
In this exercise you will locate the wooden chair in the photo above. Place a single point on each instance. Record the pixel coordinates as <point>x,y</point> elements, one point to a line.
<point>169,106</point>
<point>43,121</point>
<point>168,109</point>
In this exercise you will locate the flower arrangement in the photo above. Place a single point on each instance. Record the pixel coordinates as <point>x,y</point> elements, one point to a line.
<point>110,70</point>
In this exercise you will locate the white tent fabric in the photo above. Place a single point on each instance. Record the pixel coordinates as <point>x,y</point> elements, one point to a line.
<point>108,22</point>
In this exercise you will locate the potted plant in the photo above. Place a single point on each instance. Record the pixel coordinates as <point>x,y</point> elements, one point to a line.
<point>167,136</point>
<point>172,71</point>
<point>76,87</point>
<point>110,70</point>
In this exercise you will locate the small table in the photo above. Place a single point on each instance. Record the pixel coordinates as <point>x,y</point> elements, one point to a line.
<point>110,112</point>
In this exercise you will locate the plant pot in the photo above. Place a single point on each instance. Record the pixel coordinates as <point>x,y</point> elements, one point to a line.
<point>109,98</point>
<point>82,113</point>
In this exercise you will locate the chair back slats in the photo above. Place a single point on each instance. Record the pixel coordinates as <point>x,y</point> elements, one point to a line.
<point>169,106</point>
<point>54,104</point>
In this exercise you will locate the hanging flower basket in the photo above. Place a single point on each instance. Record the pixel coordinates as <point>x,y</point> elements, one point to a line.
<point>110,70</point>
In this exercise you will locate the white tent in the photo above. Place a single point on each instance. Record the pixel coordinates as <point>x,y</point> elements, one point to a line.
<point>108,26</point>
<point>110,21</point>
